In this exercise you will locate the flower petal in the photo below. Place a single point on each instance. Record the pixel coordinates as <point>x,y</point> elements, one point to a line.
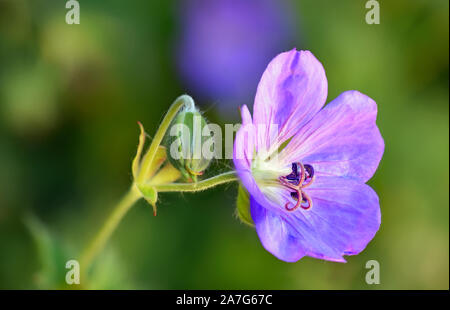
<point>244,142</point>
<point>341,140</point>
<point>276,235</point>
<point>243,152</point>
<point>343,219</point>
<point>292,90</point>
<point>345,212</point>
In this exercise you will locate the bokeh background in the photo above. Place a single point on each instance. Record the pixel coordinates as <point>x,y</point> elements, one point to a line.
<point>70,96</point>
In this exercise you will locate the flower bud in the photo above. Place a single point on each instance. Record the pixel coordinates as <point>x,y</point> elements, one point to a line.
<point>185,140</point>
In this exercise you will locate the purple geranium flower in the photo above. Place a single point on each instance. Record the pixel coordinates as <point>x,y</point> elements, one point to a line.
<point>305,165</point>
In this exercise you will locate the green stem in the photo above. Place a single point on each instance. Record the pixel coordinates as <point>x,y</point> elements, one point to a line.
<point>98,243</point>
<point>173,110</point>
<point>198,186</point>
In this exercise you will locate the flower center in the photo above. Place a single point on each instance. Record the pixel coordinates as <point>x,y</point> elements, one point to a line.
<point>296,181</point>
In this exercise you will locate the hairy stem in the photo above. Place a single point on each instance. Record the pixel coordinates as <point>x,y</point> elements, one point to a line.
<point>98,243</point>
<point>198,186</point>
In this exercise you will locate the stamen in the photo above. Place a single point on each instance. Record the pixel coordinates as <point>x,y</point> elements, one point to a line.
<point>310,170</point>
<point>310,177</point>
<point>295,182</point>
<point>293,177</point>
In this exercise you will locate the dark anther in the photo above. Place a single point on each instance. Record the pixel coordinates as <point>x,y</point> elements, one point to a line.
<point>293,176</point>
<point>310,170</point>
<point>294,168</point>
<point>294,195</point>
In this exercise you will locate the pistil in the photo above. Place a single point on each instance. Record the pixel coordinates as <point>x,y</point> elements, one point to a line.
<point>295,181</point>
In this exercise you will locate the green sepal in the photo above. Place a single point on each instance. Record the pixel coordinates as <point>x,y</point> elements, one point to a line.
<point>150,195</point>
<point>243,206</point>
<point>137,159</point>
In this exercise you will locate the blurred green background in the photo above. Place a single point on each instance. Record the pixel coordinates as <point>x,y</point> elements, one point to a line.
<point>70,96</point>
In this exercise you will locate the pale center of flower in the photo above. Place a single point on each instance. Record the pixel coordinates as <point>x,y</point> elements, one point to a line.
<point>272,180</point>
<point>266,173</point>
